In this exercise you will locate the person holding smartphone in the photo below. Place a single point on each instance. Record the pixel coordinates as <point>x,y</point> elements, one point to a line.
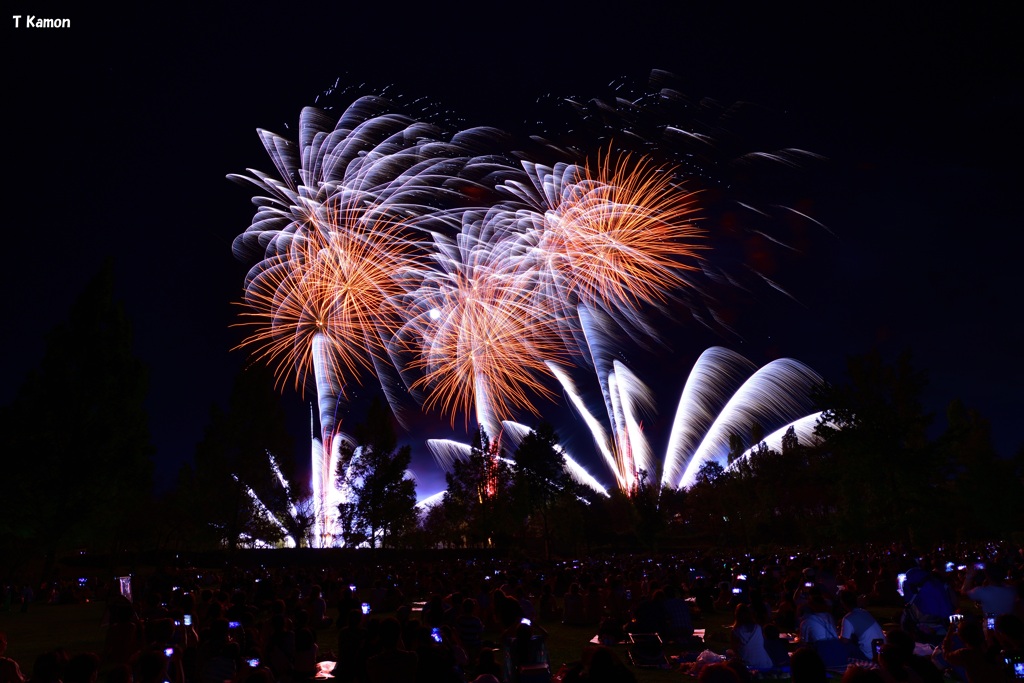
<point>858,627</point>
<point>986,588</point>
<point>974,657</point>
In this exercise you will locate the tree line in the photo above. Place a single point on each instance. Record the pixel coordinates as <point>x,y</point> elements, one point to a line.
<point>79,472</point>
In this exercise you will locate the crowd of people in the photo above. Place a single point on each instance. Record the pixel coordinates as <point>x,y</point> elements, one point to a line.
<point>951,612</point>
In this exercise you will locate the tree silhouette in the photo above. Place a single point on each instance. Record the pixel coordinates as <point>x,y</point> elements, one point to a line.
<point>383,498</point>
<point>476,502</point>
<point>76,438</point>
<point>874,439</point>
<point>539,478</point>
<point>233,459</point>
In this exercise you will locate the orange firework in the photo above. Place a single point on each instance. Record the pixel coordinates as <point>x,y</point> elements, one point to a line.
<point>621,234</point>
<point>336,282</point>
<point>479,336</point>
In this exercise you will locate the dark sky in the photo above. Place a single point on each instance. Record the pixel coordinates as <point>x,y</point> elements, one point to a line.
<point>121,130</point>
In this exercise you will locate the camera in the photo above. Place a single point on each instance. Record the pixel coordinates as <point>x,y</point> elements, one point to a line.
<point>366,608</point>
<point>526,621</point>
<point>169,651</point>
<point>435,633</point>
<point>990,622</point>
<point>949,566</point>
<point>352,587</point>
<point>737,591</point>
<point>808,584</point>
<point>254,662</point>
<point>954,618</point>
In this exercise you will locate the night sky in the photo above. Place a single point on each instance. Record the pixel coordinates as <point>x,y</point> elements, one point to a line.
<point>121,129</point>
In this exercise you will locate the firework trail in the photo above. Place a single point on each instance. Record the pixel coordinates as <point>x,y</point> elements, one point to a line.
<point>724,394</point>
<point>777,393</point>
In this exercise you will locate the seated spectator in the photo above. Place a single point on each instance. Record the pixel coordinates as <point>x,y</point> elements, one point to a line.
<point>49,667</point>
<point>974,657</point>
<point>862,674</point>
<point>306,655</point>
<point>487,663</point>
<point>82,668</point>
<point>816,621</point>
<point>648,615</point>
<point>470,628</point>
<point>10,671</point>
<point>719,672</point>
<point>549,610</point>
<point>858,627</point>
<point>748,640</point>
<point>573,607</point>
<point>393,662</point>
<point>929,603</point>
<point>317,608</point>
<point>903,644</point>
<point>525,647</point>
<point>678,623</point>
<point>775,646</point>
<point>124,633</point>
<point>807,666</point>
<point>986,588</point>
<point>600,664</point>
<point>1009,635</point>
<point>818,630</point>
<point>219,654</point>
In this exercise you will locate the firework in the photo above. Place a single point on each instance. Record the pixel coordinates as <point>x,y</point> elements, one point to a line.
<point>619,235</point>
<point>333,232</point>
<point>725,394</point>
<point>336,283</point>
<point>777,393</point>
<point>477,334</point>
<point>382,249</point>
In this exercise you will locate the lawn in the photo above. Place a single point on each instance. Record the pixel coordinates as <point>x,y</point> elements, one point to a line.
<point>76,628</point>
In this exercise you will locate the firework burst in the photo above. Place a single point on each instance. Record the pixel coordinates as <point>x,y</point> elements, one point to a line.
<point>336,281</point>
<point>476,332</point>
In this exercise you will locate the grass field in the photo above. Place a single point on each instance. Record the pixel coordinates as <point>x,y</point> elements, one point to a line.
<point>76,628</point>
